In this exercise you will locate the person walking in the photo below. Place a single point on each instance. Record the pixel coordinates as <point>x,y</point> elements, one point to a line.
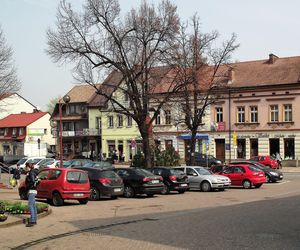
<point>279,159</point>
<point>31,184</point>
<point>17,175</point>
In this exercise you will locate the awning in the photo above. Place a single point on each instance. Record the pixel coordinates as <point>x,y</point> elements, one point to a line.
<point>198,136</point>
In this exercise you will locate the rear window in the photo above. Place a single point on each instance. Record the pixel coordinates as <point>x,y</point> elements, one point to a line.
<point>77,177</point>
<point>143,172</point>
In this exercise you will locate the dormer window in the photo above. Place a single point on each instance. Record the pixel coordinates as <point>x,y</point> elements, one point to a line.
<point>5,131</point>
<point>21,131</point>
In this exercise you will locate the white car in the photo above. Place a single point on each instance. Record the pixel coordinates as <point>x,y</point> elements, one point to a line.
<point>202,179</point>
<point>43,162</point>
<point>25,160</point>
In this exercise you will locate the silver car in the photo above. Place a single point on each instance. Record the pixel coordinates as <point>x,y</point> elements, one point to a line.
<point>203,179</point>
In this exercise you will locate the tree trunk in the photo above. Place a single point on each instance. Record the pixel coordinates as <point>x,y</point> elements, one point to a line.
<point>147,150</point>
<point>192,148</point>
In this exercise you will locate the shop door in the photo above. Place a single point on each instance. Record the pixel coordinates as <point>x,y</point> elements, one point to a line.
<point>253,147</point>
<point>220,149</point>
<point>274,146</point>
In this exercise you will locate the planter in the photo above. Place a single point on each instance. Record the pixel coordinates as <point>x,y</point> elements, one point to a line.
<point>3,217</point>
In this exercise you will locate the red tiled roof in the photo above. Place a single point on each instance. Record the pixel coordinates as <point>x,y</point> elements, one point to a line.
<point>20,120</point>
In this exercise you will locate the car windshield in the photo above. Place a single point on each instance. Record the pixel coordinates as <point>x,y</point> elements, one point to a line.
<point>203,171</point>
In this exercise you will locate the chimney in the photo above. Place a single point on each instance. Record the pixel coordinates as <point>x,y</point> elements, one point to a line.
<point>230,75</point>
<point>272,58</point>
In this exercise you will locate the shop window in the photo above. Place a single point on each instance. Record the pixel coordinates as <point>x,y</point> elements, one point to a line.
<point>289,148</point>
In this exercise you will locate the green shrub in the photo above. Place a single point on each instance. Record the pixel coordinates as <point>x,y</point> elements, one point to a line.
<point>138,160</point>
<point>167,158</point>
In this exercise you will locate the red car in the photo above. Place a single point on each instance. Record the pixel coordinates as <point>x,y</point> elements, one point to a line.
<point>266,160</point>
<point>59,184</point>
<point>244,175</point>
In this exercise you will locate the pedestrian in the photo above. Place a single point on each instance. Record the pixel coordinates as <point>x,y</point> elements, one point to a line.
<point>31,184</point>
<point>17,175</point>
<point>279,159</point>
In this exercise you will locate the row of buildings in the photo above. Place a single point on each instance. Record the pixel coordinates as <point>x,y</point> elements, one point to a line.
<point>255,115</point>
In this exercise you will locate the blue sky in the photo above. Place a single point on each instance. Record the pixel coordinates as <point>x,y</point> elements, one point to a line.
<point>262,27</point>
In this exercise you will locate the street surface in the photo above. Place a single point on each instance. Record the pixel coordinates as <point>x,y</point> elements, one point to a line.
<point>265,218</point>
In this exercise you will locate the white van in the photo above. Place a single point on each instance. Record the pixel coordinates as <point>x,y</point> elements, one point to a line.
<point>25,160</point>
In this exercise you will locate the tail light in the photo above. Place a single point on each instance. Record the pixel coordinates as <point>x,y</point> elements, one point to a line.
<point>146,179</point>
<point>172,178</point>
<point>161,178</point>
<point>104,180</point>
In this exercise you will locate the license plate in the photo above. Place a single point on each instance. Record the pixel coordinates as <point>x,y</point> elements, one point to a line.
<point>78,195</point>
<point>155,181</point>
<point>117,189</point>
<point>183,185</point>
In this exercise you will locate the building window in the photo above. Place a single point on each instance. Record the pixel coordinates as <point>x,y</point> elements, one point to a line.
<point>168,116</point>
<point>288,112</point>
<point>5,131</point>
<point>253,114</point>
<point>241,114</point>
<point>274,113</point>
<point>219,114</point>
<point>120,121</point>
<point>110,121</point>
<point>14,131</point>
<point>129,121</point>
<point>98,123</point>
<point>126,97</point>
<point>157,119</point>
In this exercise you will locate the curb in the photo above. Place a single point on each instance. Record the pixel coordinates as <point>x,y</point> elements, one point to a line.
<point>21,217</point>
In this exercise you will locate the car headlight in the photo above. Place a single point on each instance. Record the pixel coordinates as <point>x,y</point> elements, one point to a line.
<point>273,173</point>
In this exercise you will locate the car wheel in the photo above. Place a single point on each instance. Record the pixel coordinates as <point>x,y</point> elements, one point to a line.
<point>205,186</point>
<point>83,201</point>
<point>247,184</point>
<point>268,178</point>
<point>165,190</point>
<point>128,192</point>
<point>258,185</point>
<point>181,191</point>
<point>23,193</point>
<point>57,200</point>
<point>113,197</point>
<point>222,189</point>
<point>95,194</point>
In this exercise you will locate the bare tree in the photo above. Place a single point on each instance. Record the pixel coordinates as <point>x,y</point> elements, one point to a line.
<point>9,82</point>
<point>52,103</point>
<point>200,69</point>
<point>98,40</point>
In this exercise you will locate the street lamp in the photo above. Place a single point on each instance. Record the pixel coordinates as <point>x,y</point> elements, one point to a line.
<point>66,99</point>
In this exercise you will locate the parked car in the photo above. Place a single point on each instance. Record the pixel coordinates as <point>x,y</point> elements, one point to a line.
<point>75,163</point>
<point>59,184</point>
<point>25,160</point>
<point>204,180</point>
<point>272,175</point>
<point>173,179</point>
<point>140,181</point>
<point>43,162</point>
<point>204,160</point>
<point>104,183</point>
<point>266,160</point>
<point>216,169</point>
<point>244,175</point>
<point>99,164</point>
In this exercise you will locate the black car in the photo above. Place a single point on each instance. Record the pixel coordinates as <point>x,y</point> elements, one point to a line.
<point>206,160</point>
<point>140,181</point>
<point>174,179</point>
<point>104,183</point>
<point>272,175</point>
<point>99,164</point>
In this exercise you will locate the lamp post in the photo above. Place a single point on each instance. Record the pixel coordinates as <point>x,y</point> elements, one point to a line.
<point>66,99</point>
